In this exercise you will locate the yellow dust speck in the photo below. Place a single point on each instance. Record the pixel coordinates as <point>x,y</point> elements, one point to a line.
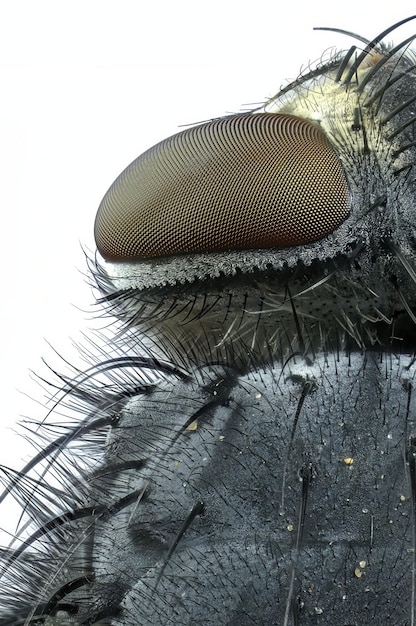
<point>402,498</point>
<point>348,460</point>
<point>193,425</point>
<point>221,437</point>
<point>290,527</point>
<point>358,573</point>
<point>362,564</point>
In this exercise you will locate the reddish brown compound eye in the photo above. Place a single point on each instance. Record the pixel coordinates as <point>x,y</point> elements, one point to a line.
<point>245,181</point>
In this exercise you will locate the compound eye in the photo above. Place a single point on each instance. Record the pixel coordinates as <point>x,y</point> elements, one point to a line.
<point>242,182</point>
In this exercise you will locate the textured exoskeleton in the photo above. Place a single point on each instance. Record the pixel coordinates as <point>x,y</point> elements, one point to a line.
<point>243,447</point>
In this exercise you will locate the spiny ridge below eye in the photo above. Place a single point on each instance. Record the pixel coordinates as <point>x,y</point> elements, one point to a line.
<point>241,182</point>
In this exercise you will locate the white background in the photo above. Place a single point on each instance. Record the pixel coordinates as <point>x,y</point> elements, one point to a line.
<point>88,85</point>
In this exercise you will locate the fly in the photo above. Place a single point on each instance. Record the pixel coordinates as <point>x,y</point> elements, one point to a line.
<point>242,447</point>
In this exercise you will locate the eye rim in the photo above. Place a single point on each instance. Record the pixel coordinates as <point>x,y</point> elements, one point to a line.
<point>208,134</point>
